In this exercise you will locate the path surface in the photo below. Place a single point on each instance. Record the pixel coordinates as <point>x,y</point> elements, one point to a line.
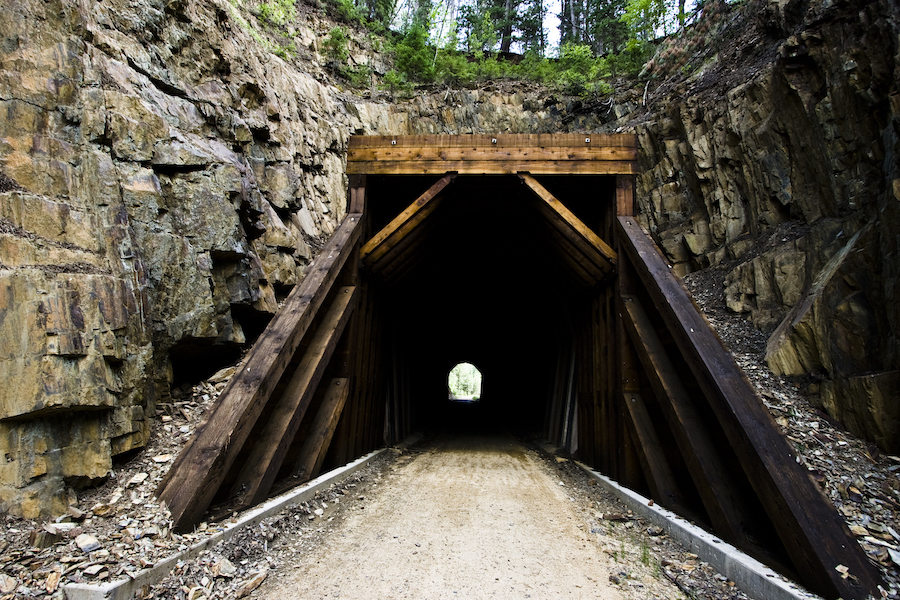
<point>472,517</point>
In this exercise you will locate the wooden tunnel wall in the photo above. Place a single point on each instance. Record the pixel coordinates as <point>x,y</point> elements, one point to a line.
<point>485,286</point>
<point>519,254</point>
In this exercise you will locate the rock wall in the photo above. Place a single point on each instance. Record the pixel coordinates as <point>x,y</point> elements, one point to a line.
<point>164,181</point>
<point>766,170</point>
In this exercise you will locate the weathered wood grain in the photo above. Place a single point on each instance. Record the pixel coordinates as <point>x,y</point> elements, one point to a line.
<point>411,217</point>
<point>571,226</point>
<point>259,471</point>
<point>710,475</point>
<point>515,154</point>
<point>494,167</point>
<point>815,536</point>
<point>200,468</point>
<point>316,443</point>
<point>541,140</point>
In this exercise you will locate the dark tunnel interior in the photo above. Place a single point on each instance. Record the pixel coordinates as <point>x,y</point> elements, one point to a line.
<point>485,284</point>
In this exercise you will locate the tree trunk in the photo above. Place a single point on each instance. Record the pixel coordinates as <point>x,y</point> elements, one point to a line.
<point>507,30</point>
<point>572,22</point>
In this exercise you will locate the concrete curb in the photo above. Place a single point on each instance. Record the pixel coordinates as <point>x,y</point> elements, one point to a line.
<point>123,589</point>
<point>751,576</point>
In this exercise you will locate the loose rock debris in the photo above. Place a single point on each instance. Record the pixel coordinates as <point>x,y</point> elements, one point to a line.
<point>861,482</point>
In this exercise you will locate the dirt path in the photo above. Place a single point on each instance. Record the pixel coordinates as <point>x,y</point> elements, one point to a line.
<point>471,517</point>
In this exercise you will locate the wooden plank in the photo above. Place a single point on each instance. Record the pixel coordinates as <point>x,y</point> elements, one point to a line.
<point>200,468</point>
<point>363,382</point>
<point>548,140</point>
<point>494,167</point>
<point>813,533</point>
<point>663,482</point>
<point>357,192</point>
<point>579,267</point>
<point>709,473</point>
<point>316,444</point>
<point>256,477</point>
<point>515,154</point>
<point>411,248</point>
<point>405,222</point>
<point>572,248</point>
<point>572,222</point>
<point>624,195</point>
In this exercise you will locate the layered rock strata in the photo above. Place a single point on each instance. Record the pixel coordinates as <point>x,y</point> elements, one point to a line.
<point>770,177</point>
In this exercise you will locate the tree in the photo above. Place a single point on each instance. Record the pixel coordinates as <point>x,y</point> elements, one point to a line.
<point>645,17</point>
<point>476,27</point>
<point>531,27</point>
<point>606,32</point>
<point>381,11</point>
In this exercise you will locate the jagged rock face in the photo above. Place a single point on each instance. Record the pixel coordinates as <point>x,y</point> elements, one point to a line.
<point>164,180</point>
<point>771,178</point>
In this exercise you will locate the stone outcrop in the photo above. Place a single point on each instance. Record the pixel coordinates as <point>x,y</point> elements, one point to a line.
<point>769,174</point>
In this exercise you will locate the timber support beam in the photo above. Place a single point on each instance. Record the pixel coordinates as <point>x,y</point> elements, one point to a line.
<point>813,534</point>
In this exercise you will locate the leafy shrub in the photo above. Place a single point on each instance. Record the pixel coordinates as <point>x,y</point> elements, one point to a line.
<point>415,58</point>
<point>358,77</point>
<point>580,73</point>
<point>335,45</point>
<point>535,67</point>
<point>631,59</point>
<point>394,81</point>
<point>348,11</point>
<point>278,12</point>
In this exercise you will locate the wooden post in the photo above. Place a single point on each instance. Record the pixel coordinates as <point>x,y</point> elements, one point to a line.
<point>357,192</point>
<point>259,472</point>
<point>625,195</point>
<point>316,444</point>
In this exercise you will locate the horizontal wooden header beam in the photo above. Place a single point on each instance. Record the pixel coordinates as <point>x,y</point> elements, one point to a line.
<point>540,154</point>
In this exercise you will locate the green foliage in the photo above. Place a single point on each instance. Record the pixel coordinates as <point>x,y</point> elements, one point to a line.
<point>285,51</point>
<point>395,82</point>
<point>278,12</point>
<point>358,77</point>
<point>632,58</point>
<point>580,73</point>
<point>348,11</point>
<point>645,554</point>
<point>644,17</point>
<point>535,67</point>
<point>335,45</point>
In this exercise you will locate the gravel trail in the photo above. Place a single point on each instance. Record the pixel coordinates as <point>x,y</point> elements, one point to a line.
<point>471,517</point>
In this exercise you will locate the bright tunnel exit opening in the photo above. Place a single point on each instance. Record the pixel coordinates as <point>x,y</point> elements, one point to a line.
<point>464,383</point>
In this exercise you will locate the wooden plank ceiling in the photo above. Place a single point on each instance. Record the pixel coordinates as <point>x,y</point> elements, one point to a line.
<point>397,247</point>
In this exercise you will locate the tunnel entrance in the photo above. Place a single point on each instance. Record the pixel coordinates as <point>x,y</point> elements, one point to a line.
<point>523,254</point>
<point>484,281</point>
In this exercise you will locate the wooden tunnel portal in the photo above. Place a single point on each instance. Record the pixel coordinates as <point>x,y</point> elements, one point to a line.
<point>521,255</point>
